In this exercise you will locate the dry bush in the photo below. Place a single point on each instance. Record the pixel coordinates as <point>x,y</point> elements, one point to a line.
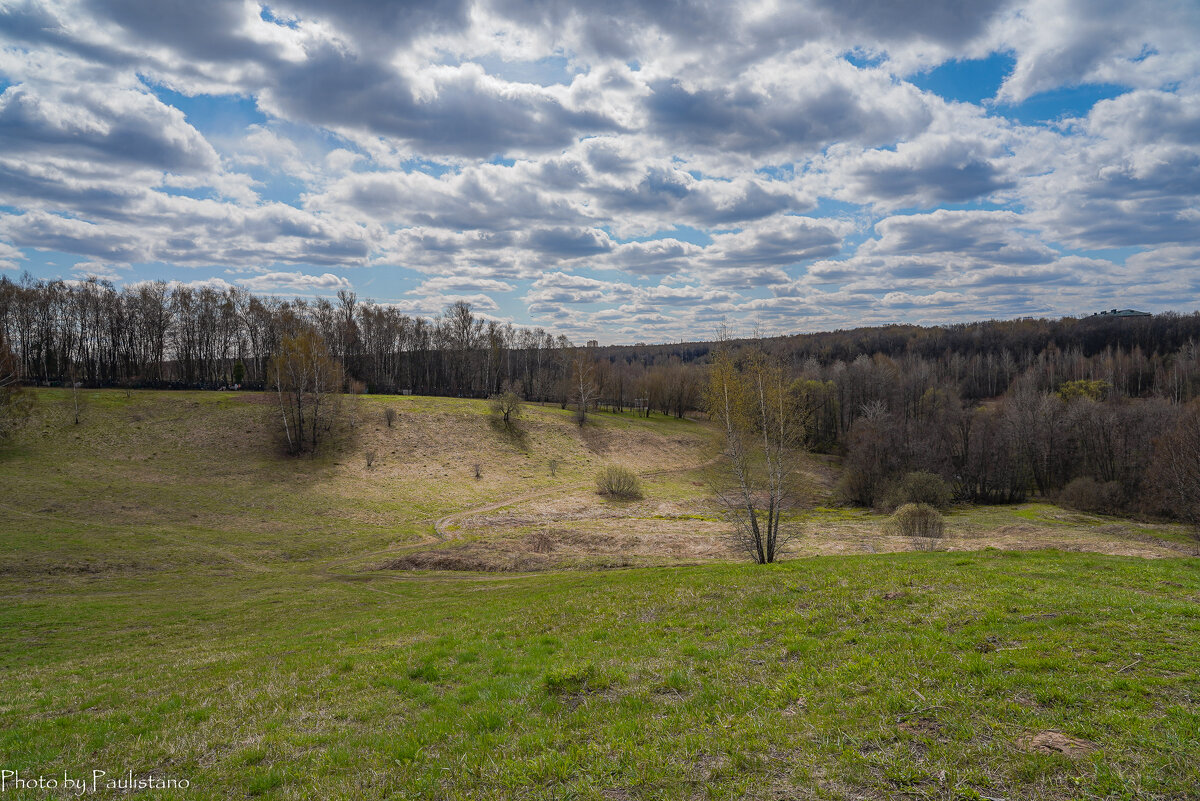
<point>615,481</point>
<point>1086,494</point>
<point>390,415</point>
<point>478,471</point>
<point>920,521</point>
<point>371,456</point>
<point>540,542</point>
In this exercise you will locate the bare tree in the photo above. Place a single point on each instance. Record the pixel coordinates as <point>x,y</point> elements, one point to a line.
<point>76,397</point>
<point>762,428</point>
<point>15,402</point>
<point>307,383</point>
<point>583,390</point>
<point>506,405</point>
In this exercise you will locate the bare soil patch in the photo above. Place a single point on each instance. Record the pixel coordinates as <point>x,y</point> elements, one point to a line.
<point>1054,742</point>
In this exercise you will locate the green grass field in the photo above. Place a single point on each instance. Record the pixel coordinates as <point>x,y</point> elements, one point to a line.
<point>179,602</point>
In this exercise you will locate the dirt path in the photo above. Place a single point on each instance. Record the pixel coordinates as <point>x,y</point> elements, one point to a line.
<point>441,527</point>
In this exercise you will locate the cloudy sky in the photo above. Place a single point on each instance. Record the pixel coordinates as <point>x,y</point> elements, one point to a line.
<point>618,169</point>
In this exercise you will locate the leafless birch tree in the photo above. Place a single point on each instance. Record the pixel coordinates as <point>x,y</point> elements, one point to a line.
<point>762,428</point>
<point>307,384</point>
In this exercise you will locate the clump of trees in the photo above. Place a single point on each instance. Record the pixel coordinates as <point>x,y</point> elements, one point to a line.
<point>615,481</point>
<point>1093,454</point>
<point>762,422</point>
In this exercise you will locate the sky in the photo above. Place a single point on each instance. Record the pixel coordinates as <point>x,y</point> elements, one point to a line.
<point>616,170</point>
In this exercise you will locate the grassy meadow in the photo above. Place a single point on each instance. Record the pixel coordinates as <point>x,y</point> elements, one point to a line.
<point>179,601</point>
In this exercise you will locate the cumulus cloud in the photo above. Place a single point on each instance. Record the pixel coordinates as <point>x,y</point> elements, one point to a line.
<point>1129,177</point>
<point>296,282</point>
<point>1068,42</point>
<point>10,257</point>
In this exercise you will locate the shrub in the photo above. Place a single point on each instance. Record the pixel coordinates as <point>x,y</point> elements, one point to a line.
<point>920,521</point>
<point>390,415</point>
<point>619,482</point>
<point>540,542</point>
<point>917,487</point>
<point>371,456</point>
<point>1089,495</point>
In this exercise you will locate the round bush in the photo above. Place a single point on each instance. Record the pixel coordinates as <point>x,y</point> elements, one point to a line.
<point>615,481</point>
<point>918,520</point>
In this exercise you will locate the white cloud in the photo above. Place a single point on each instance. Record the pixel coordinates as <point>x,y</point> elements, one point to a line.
<point>297,282</point>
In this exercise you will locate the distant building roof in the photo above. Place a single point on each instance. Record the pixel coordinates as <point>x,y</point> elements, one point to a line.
<point>1122,313</point>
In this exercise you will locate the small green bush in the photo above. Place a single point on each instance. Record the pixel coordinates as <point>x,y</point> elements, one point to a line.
<point>919,521</point>
<point>917,487</point>
<point>615,481</point>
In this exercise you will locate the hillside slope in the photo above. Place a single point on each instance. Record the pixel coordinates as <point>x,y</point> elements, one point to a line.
<point>181,602</point>
<point>194,480</point>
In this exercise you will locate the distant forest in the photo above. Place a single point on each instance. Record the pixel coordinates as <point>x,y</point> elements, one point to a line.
<point>998,410</point>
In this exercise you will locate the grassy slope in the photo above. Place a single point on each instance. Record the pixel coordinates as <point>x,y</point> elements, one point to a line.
<point>222,648</point>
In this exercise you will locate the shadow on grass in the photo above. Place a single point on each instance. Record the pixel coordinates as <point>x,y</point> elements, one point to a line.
<point>511,433</point>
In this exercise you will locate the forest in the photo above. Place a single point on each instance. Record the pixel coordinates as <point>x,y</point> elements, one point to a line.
<point>1092,411</point>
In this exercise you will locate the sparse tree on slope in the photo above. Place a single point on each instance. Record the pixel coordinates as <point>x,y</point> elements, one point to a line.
<point>506,405</point>
<point>583,389</point>
<point>762,428</point>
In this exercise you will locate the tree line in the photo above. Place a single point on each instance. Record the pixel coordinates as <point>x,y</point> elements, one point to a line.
<point>160,335</point>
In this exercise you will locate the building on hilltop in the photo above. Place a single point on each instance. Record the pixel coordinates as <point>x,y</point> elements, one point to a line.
<point>1122,313</point>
